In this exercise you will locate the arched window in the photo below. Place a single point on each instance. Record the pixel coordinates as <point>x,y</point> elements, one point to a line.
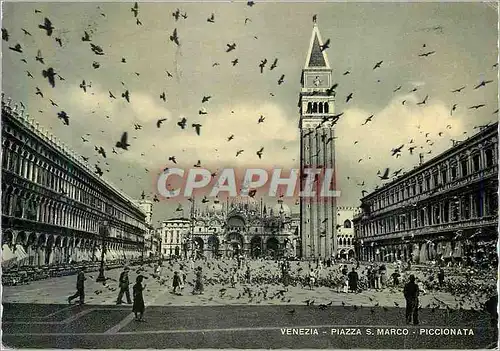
<point>315,107</point>
<point>309,107</point>
<point>349,242</point>
<point>326,108</point>
<point>347,223</point>
<point>6,202</point>
<point>320,107</point>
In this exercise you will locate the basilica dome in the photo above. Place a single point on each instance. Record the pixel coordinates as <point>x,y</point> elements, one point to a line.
<point>215,208</point>
<point>246,202</point>
<point>253,205</point>
<point>281,209</point>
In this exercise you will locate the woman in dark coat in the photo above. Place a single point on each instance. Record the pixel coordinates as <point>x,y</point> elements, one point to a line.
<point>353,280</point>
<point>138,307</point>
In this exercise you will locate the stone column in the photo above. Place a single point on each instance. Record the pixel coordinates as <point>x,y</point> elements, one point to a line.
<point>41,256</point>
<point>483,202</point>
<point>471,206</point>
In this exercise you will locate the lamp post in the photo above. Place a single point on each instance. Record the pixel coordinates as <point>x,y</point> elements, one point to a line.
<point>143,249</point>
<point>103,229</point>
<point>191,230</point>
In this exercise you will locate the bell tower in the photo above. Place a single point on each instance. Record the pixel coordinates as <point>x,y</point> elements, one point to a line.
<point>317,150</point>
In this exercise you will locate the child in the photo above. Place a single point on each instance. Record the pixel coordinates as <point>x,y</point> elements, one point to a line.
<point>183,281</point>
<point>248,276</point>
<point>395,277</point>
<point>138,307</point>
<point>312,278</point>
<point>346,284</point>
<point>177,281</point>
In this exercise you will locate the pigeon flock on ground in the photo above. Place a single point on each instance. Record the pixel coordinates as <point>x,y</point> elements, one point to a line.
<point>225,283</point>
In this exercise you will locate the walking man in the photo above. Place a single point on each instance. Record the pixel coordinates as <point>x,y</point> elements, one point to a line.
<point>124,287</point>
<point>80,287</point>
<point>411,295</point>
<point>177,282</point>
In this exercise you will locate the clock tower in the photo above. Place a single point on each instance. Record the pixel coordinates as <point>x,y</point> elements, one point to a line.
<point>318,214</point>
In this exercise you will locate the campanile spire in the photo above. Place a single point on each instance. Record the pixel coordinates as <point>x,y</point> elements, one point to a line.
<point>317,151</point>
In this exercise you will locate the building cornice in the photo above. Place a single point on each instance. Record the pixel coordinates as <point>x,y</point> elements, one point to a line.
<point>434,161</point>
<point>17,114</point>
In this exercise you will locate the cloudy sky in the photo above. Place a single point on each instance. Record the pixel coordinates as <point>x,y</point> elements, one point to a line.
<point>461,36</point>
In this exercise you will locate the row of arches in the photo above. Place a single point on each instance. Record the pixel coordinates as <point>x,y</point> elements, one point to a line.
<point>235,245</point>
<point>346,254</point>
<point>417,252</point>
<point>345,241</point>
<point>30,164</point>
<point>318,107</point>
<point>20,203</point>
<point>38,249</point>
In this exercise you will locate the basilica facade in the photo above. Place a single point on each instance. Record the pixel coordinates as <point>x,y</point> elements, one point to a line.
<point>245,227</point>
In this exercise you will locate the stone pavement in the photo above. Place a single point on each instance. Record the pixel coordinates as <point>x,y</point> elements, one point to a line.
<point>264,327</point>
<point>37,315</point>
<point>56,291</point>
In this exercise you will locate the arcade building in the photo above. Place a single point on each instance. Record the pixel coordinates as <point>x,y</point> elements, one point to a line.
<point>446,209</point>
<point>55,209</point>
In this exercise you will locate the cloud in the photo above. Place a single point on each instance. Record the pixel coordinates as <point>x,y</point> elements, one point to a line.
<point>211,147</point>
<point>392,126</point>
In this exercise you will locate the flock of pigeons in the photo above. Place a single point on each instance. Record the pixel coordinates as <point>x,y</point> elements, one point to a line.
<point>462,291</point>
<point>46,27</point>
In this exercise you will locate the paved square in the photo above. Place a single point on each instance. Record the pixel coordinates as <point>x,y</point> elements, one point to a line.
<point>37,315</point>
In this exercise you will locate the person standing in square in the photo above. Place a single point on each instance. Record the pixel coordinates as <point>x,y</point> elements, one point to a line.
<point>80,287</point>
<point>198,284</point>
<point>177,282</point>
<point>234,278</point>
<point>395,277</point>
<point>353,280</point>
<point>124,287</point>
<point>441,277</point>
<point>138,307</point>
<point>411,296</point>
